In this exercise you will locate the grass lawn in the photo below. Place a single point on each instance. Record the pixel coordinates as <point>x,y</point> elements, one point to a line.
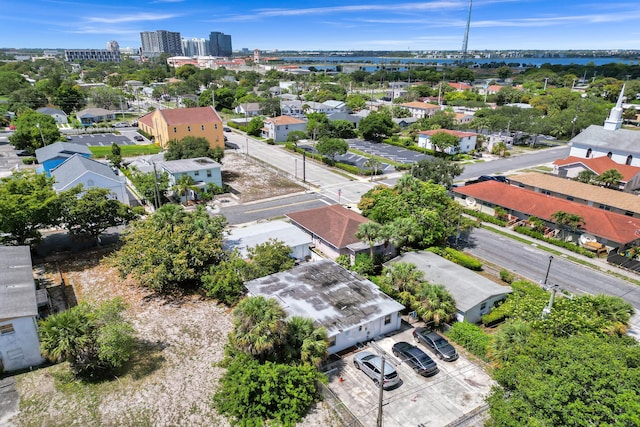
<point>126,150</point>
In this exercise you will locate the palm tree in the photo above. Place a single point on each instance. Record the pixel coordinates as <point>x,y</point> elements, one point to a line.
<point>402,276</point>
<point>615,311</point>
<point>305,343</point>
<point>373,164</point>
<point>404,231</point>
<point>586,176</point>
<point>369,231</point>
<point>509,339</point>
<point>184,186</point>
<point>436,305</point>
<point>565,220</point>
<point>609,178</point>
<point>259,326</point>
<point>64,335</point>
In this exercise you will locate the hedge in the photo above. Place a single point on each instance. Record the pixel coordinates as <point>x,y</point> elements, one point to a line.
<point>327,161</point>
<point>458,257</point>
<point>566,245</point>
<point>486,217</point>
<point>470,337</point>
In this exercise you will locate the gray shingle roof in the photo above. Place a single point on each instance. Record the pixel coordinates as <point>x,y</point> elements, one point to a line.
<point>75,166</point>
<point>60,149</point>
<point>188,165</point>
<point>614,140</point>
<point>244,238</point>
<point>17,288</point>
<point>467,288</point>
<point>50,111</point>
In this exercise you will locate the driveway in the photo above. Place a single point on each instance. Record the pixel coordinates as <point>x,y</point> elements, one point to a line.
<point>456,391</point>
<point>9,400</point>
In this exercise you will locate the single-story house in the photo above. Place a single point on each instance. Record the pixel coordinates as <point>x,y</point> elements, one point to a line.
<point>58,115</point>
<point>344,116</point>
<point>460,86</point>
<point>467,140</point>
<point>52,155</point>
<point>474,295</point>
<point>203,170</point>
<point>404,121</point>
<point>90,173</point>
<point>278,128</point>
<point>176,123</point>
<point>463,118</point>
<point>610,229</point>
<point>247,237</point>
<point>19,342</point>
<point>249,109</point>
<point>572,166</point>
<point>587,194</point>
<point>351,308</point>
<point>333,231</point>
<point>420,110</point>
<point>335,106</point>
<point>90,116</point>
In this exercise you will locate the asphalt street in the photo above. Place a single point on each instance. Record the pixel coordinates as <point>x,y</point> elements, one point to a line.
<point>532,262</point>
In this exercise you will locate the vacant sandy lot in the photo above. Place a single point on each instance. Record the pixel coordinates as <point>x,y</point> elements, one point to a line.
<point>172,378</point>
<point>251,181</point>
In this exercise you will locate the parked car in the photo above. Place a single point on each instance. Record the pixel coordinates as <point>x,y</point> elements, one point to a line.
<point>417,359</point>
<point>226,139</point>
<point>138,138</point>
<point>226,129</point>
<point>371,364</point>
<point>436,343</point>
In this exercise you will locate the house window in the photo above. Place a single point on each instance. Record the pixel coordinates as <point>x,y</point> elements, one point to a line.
<point>331,341</point>
<point>215,126</point>
<point>175,130</point>
<point>196,173</point>
<point>483,306</point>
<point>605,207</point>
<point>570,198</point>
<point>588,153</point>
<point>629,159</point>
<point>6,329</point>
<point>208,173</point>
<point>188,128</point>
<point>15,353</point>
<point>202,127</point>
<point>628,213</point>
<point>387,319</point>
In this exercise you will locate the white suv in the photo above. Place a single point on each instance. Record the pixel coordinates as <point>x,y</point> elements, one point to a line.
<point>371,364</point>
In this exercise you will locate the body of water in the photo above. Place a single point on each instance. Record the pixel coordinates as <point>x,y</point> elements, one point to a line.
<point>371,63</point>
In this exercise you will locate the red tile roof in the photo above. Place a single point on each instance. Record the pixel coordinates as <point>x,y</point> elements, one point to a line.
<point>285,120</point>
<point>457,133</point>
<point>334,224</point>
<point>611,226</point>
<point>182,116</point>
<point>460,86</point>
<point>601,164</point>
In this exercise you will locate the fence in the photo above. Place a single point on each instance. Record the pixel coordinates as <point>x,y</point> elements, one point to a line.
<point>346,416</point>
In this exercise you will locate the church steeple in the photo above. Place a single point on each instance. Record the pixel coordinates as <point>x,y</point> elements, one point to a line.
<point>614,122</point>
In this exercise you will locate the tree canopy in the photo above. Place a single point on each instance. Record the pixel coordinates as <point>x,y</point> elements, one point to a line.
<point>376,126</point>
<point>331,147</point>
<point>34,130</point>
<point>191,147</point>
<point>437,170</point>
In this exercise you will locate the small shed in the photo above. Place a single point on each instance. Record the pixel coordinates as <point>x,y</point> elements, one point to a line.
<point>247,237</point>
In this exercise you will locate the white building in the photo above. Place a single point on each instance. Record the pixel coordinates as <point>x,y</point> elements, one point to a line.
<point>19,342</point>
<point>474,295</point>
<point>247,237</point>
<point>278,128</point>
<point>351,308</point>
<point>466,140</point>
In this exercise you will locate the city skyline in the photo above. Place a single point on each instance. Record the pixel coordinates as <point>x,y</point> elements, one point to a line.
<point>328,24</point>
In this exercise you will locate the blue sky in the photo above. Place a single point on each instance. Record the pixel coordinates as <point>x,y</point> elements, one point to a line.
<point>327,24</point>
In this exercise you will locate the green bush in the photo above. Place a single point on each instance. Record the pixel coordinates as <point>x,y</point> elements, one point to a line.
<point>486,217</point>
<point>29,160</point>
<point>566,245</point>
<point>270,141</point>
<point>506,276</point>
<point>458,257</point>
<point>494,317</point>
<point>470,337</point>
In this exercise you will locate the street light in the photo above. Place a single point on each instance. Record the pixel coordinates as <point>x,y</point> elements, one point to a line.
<point>41,135</point>
<point>546,276</point>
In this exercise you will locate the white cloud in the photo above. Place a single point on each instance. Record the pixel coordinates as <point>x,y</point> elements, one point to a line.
<point>132,18</point>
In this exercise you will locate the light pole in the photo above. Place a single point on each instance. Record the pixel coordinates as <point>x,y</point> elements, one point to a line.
<point>546,276</point>
<point>41,135</point>
<point>545,84</point>
<point>547,309</point>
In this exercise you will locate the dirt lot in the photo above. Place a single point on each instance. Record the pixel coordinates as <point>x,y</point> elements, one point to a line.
<point>173,375</point>
<point>251,181</point>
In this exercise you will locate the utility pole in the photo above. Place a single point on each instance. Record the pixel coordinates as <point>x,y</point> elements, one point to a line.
<point>41,135</point>
<point>380,393</point>
<point>547,310</point>
<point>304,166</point>
<point>546,276</point>
<point>156,192</point>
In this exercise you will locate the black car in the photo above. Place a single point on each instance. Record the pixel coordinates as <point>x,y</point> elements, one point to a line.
<point>436,343</point>
<point>499,178</point>
<point>416,358</point>
<point>226,129</point>
<point>138,138</point>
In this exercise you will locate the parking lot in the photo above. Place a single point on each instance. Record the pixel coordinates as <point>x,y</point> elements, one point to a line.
<point>104,139</point>
<point>458,389</point>
<point>391,152</point>
<point>351,158</point>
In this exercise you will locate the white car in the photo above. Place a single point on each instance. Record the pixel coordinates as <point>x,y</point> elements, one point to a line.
<point>371,365</point>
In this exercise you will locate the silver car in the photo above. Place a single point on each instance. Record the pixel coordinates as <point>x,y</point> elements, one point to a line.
<point>371,364</point>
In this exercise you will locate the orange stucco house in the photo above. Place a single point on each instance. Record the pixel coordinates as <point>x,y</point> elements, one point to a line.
<point>176,123</point>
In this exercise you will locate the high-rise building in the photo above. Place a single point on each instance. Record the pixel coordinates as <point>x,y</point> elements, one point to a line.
<point>99,55</point>
<point>195,47</point>
<point>220,44</point>
<point>113,46</point>
<point>161,41</point>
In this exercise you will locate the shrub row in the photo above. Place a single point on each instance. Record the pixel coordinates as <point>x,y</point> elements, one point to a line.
<point>458,257</point>
<point>327,161</point>
<point>505,310</point>
<point>486,217</point>
<point>566,245</point>
<point>470,337</point>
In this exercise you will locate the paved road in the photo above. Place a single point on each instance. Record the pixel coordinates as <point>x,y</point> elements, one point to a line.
<point>530,261</point>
